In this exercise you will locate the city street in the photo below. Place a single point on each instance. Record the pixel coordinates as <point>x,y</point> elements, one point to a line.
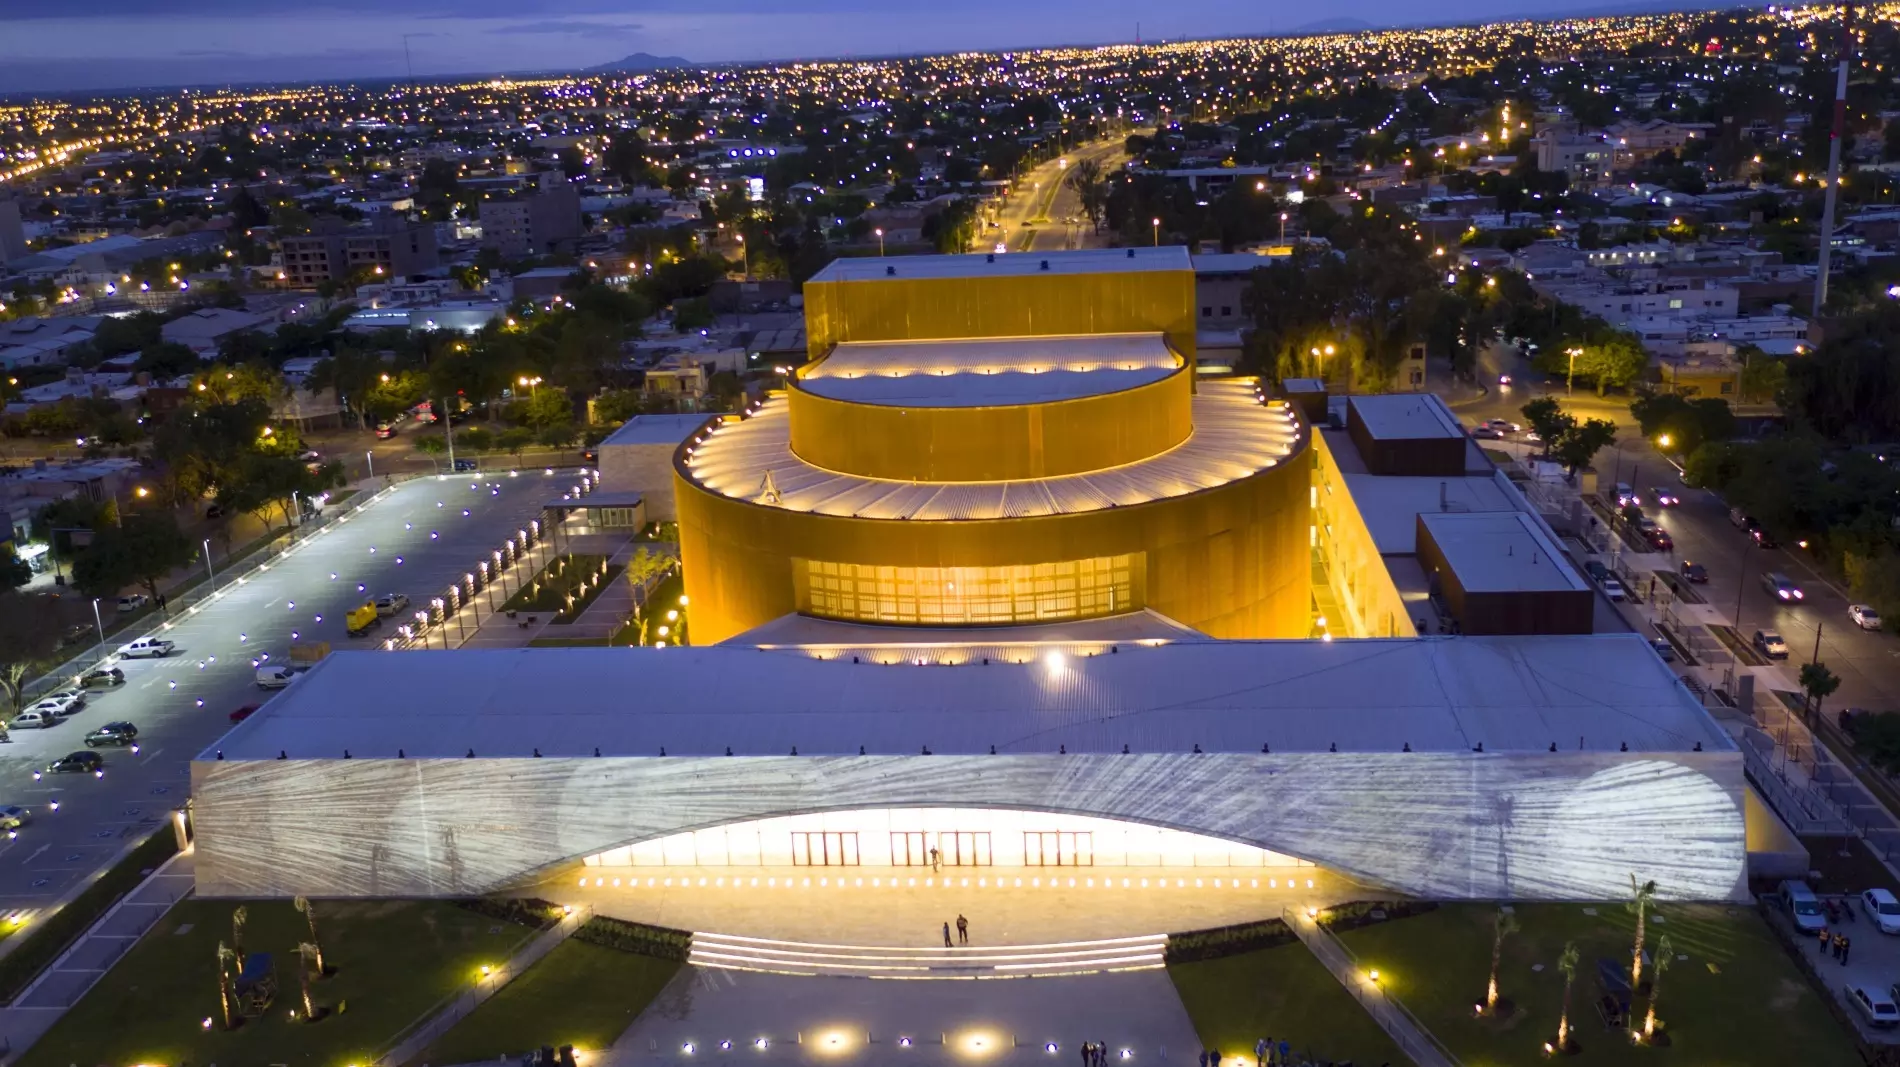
<point>1032,220</point>
<point>415,540</point>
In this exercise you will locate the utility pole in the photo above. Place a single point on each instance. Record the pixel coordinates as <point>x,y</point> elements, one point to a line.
<point>1834,158</point>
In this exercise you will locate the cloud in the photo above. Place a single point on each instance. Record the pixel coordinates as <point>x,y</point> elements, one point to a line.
<point>575,27</point>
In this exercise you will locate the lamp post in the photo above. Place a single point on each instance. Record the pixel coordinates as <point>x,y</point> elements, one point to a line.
<point>1570,380</point>
<point>97,621</point>
<point>1157,226</point>
<point>1282,227</point>
<point>369,455</point>
<point>1741,583</point>
<point>210,575</point>
<point>745,256</point>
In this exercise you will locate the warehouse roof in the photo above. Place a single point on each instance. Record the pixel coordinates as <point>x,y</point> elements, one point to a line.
<point>668,430</point>
<point>1234,437</point>
<point>1406,417</point>
<point>989,371</point>
<point>988,264</point>
<point>1500,552</point>
<point>1595,692</point>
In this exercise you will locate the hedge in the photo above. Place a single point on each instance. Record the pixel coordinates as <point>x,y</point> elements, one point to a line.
<point>528,911</point>
<point>1351,916</point>
<point>1222,941</point>
<point>43,943</point>
<point>638,938</point>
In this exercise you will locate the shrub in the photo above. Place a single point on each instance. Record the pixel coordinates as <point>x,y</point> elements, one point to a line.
<point>1351,916</point>
<point>1226,941</point>
<point>527,911</point>
<point>637,938</point>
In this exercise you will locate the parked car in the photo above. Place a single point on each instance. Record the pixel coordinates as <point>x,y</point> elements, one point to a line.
<point>1502,425</point>
<point>32,719</point>
<point>214,511</point>
<point>1878,1009</point>
<point>113,733</point>
<point>103,678</point>
<point>133,602</point>
<point>1864,616</point>
<point>243,713</point>
<point>310,455</point>
<point>146,646</point>
<point>1760,536</point>
<point>391,604</point>
<point>276,675</point>
<point>1804,908</point>
<point>1739,519</point>
<point>1653,534</point>
<point>1664,650</point>
<point>1881,906</point>
<point>65,701</point>
<point>87,762</point>
<point>1770,643</point>
<point>1694,572</point>
<point>1663,497</point>
<point>13,816</point>
<point>1781,587</point>
<point>464,464</point>
<point>385,431</point>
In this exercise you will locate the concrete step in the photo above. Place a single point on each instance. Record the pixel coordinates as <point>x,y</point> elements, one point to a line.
<point>887,961</point>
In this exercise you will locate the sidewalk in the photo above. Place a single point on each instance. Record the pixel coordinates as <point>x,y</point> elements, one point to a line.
<point>615,604</point>
<point>1412,1038</point>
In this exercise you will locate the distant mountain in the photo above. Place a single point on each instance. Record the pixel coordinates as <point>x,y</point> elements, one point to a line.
<point>1335,25</point>
<point>640,62</point>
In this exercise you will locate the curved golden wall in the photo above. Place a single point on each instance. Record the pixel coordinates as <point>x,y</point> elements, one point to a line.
<point>988,444</point>
<point>1231,561</point>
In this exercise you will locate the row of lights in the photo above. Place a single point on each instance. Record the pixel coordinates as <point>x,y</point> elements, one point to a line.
<point>835,1041</point>
<point>930,883</point>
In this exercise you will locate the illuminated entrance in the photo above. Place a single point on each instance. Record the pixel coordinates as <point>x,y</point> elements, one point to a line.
<point>942,837</point>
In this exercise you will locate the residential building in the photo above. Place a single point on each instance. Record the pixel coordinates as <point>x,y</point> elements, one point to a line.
<point>534,222</point>
<point>203,330</point>
<point>391,247</point>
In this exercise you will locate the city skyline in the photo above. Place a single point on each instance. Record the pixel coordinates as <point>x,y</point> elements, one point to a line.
<point>121,46</point>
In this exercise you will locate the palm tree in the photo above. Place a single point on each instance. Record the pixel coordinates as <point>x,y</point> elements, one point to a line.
<point>309,954</point>
<point>309,910</point>
<point>1639,906</point>
<point>1664,953</point>
<point>1502,927</point>
<point>226,958</point>
<point>1567,963</point>
<point>239,916</point>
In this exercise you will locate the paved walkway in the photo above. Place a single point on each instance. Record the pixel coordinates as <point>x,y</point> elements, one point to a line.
<point>499,631</point>
<point>725,1015</point>
<point>1411,1037</point>
<point>614,606</point>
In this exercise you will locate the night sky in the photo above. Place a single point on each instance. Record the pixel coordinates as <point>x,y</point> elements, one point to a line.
<point>129,43</point>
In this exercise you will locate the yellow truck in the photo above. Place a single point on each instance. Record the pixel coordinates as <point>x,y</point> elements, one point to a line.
<point>362,619</point>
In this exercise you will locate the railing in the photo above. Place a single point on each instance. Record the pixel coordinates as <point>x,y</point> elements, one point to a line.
<point>1413,1037</point>
<point>446,1013</point>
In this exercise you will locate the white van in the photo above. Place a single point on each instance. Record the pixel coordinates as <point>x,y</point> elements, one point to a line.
<point>275,676</point>
<point>1804,908</point>
<point>146,646</point>
<point>33,720</point>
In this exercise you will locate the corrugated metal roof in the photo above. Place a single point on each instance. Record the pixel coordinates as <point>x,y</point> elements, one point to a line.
<point>1593,692</point>
<point>1234,437</point>
<point>990,371</point>
<point>982,264</point>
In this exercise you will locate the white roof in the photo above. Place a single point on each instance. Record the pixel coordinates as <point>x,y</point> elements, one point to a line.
<point>1391,504</point>
<point>1082,261</point>
<point>668,430</point>
<point>1450,694</point>
<point>989,371</point>
<point>1406,417</point>
<point>1500,552</point>
<point>1234,437</point>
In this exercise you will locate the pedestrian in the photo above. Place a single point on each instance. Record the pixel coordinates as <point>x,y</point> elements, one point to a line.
<point>1260,1053</point>
<point>1213,1057</point>
<point>1203,1058</point>
<point>1088,1055</point>
<point>963,930</point>
<point>946,936</point>
<point>1101,1053</point>
<point>1286,1052</point>
<point>1824,940</point>
<point>936,861</point>
<point>1847,946</point>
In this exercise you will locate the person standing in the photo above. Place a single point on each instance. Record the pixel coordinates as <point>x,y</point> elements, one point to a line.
<point>946,936</point>
<point>963,930</point>
<point>1286,1052</point>
<point>936,861</point>
<point>1203,1058</point>
<point>1260,1051</point>
<point>1088,1054</point>
<point>1847,946</point>
<point>1824,940</point>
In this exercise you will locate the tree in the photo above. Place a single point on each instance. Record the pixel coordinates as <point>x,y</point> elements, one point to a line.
<point>431,446</point>
<point>239,916</point>
<point>308,956</point>
<point>29,636</point>
<point>309,911</point>
<point>548,409</point>
<point>1764,376</point>
<point>262,481</point>
<point>559,435</point>
<point>225,959</point>
<point>1665,952</point>
<point>616,406</point>
<point>1817,683</point>
<point>692,314</point>
<point>514,439</point>
<point>1567,963</point>
<point>1578,445</point>
<point>1503,926</point>
<point>1547,419</point>
<point>144,548</point>
<point>1638,905</point>
<point>14,571</point>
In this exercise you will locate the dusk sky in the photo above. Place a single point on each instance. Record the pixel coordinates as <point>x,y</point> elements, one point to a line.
<point>126,43</point>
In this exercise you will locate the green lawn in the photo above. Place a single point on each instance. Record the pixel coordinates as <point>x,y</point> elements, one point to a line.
<point>1737,1000</point>
<point>664,598</point>
<point>394,961</point>
<point>1282,993</point>
<point>580,994</point>
<point>547,591</point>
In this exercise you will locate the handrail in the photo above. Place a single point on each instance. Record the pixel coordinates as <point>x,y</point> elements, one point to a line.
<point>1374,997</point>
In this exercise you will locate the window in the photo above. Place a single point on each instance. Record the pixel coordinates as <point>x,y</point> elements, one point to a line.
<point>811,849</point>
<point>1207,312</point>
<point>1728,387</point>
<point>908,849</point>
<point>1675,303</point>
<point>964,848</point>
<point>1226,310</point>
<point>1058,848</point>
<point>972,596</point>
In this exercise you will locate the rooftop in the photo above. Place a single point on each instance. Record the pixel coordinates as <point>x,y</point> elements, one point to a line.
<point>1391,505</point>
<point>1234,437</point>
<point>989,371</point>
<point>1500,552</point>
<point>1406,417</point>
<point>668,430</point>
<point>869,638</point>
<point>1524,694</point>
<point>984,264</point>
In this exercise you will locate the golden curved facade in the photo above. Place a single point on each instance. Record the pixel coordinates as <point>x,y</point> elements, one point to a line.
<point>977,479</point>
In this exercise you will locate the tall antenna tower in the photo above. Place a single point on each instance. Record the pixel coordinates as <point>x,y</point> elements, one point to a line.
<point>1834,158</point>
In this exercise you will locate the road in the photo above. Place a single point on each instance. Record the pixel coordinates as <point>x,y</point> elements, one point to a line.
<point>1032,219</point>
<point>415,540</point>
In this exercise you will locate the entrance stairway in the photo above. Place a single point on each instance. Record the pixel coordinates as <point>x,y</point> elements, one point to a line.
<point>884,961</point>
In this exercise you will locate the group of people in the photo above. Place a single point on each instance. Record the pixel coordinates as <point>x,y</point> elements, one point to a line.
<point>1267,1054</point>
<point>1836,945</point>
<point>1094,1054</point>
<point>963,933</point>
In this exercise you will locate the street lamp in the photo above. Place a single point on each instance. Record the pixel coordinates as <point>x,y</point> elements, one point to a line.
<point>99,622</point>
<point>1157,225</point>
<point>1570,380</point>
<point>745,257</point>
<point>211,576</point>
<point>880,242</point>
<point>1664,441</point>
<point>1282,227</point>
<point>533,384</point>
